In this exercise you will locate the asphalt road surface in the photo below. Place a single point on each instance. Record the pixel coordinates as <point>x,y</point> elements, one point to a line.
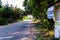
<point>16,31</point>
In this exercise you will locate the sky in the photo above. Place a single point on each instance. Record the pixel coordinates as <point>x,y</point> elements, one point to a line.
<point>19,3</point>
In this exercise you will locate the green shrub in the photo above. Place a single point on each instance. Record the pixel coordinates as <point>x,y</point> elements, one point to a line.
<point>3,21</point>
<point>10,15</point>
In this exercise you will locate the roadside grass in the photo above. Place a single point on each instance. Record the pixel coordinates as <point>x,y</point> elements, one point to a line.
<point>51,33</point>
<point>25,18</point>
<point>36,21</point>
<point>45,34</point>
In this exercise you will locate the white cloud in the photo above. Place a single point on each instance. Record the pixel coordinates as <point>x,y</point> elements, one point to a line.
<point>19,3</point>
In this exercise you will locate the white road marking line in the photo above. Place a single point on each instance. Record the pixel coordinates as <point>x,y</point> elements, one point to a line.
<point>6,37</point>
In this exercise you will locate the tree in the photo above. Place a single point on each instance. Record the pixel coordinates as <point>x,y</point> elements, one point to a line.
<point>9,14</point>
<point>39,9</point>
<point>27,7</point>
<point>18,13</point>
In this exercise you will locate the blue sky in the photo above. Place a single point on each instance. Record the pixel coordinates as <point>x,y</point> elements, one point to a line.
<point>19,3</point>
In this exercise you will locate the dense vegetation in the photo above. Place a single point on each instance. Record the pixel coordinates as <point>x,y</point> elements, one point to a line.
<point>38,8</point>
<point>9,14</point>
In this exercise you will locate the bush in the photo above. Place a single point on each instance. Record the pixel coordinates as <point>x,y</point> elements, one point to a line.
<point>46,25</point>
<point>3,21</point>
<point>10,15</point>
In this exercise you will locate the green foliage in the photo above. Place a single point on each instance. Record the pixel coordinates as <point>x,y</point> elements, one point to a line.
<point>27,8</point>
<point>46,24</point>
<point>38,9</point>
<point>3,21</point>
<point>10,14</point>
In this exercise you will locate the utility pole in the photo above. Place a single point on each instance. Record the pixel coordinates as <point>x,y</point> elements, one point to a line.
<point>57,20</point>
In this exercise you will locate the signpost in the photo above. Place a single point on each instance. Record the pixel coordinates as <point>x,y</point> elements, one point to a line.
<point>50,12</point>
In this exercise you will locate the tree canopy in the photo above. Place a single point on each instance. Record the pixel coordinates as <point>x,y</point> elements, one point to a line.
<point>9,14</point>
<point>39,10</point>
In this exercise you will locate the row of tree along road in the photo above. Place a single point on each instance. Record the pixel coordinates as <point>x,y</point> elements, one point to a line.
<point>10,14</point>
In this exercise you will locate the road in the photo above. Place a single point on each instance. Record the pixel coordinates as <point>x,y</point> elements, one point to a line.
<point>16,31</point>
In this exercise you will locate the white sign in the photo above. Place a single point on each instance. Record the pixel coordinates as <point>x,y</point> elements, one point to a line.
<point>50,12</point>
